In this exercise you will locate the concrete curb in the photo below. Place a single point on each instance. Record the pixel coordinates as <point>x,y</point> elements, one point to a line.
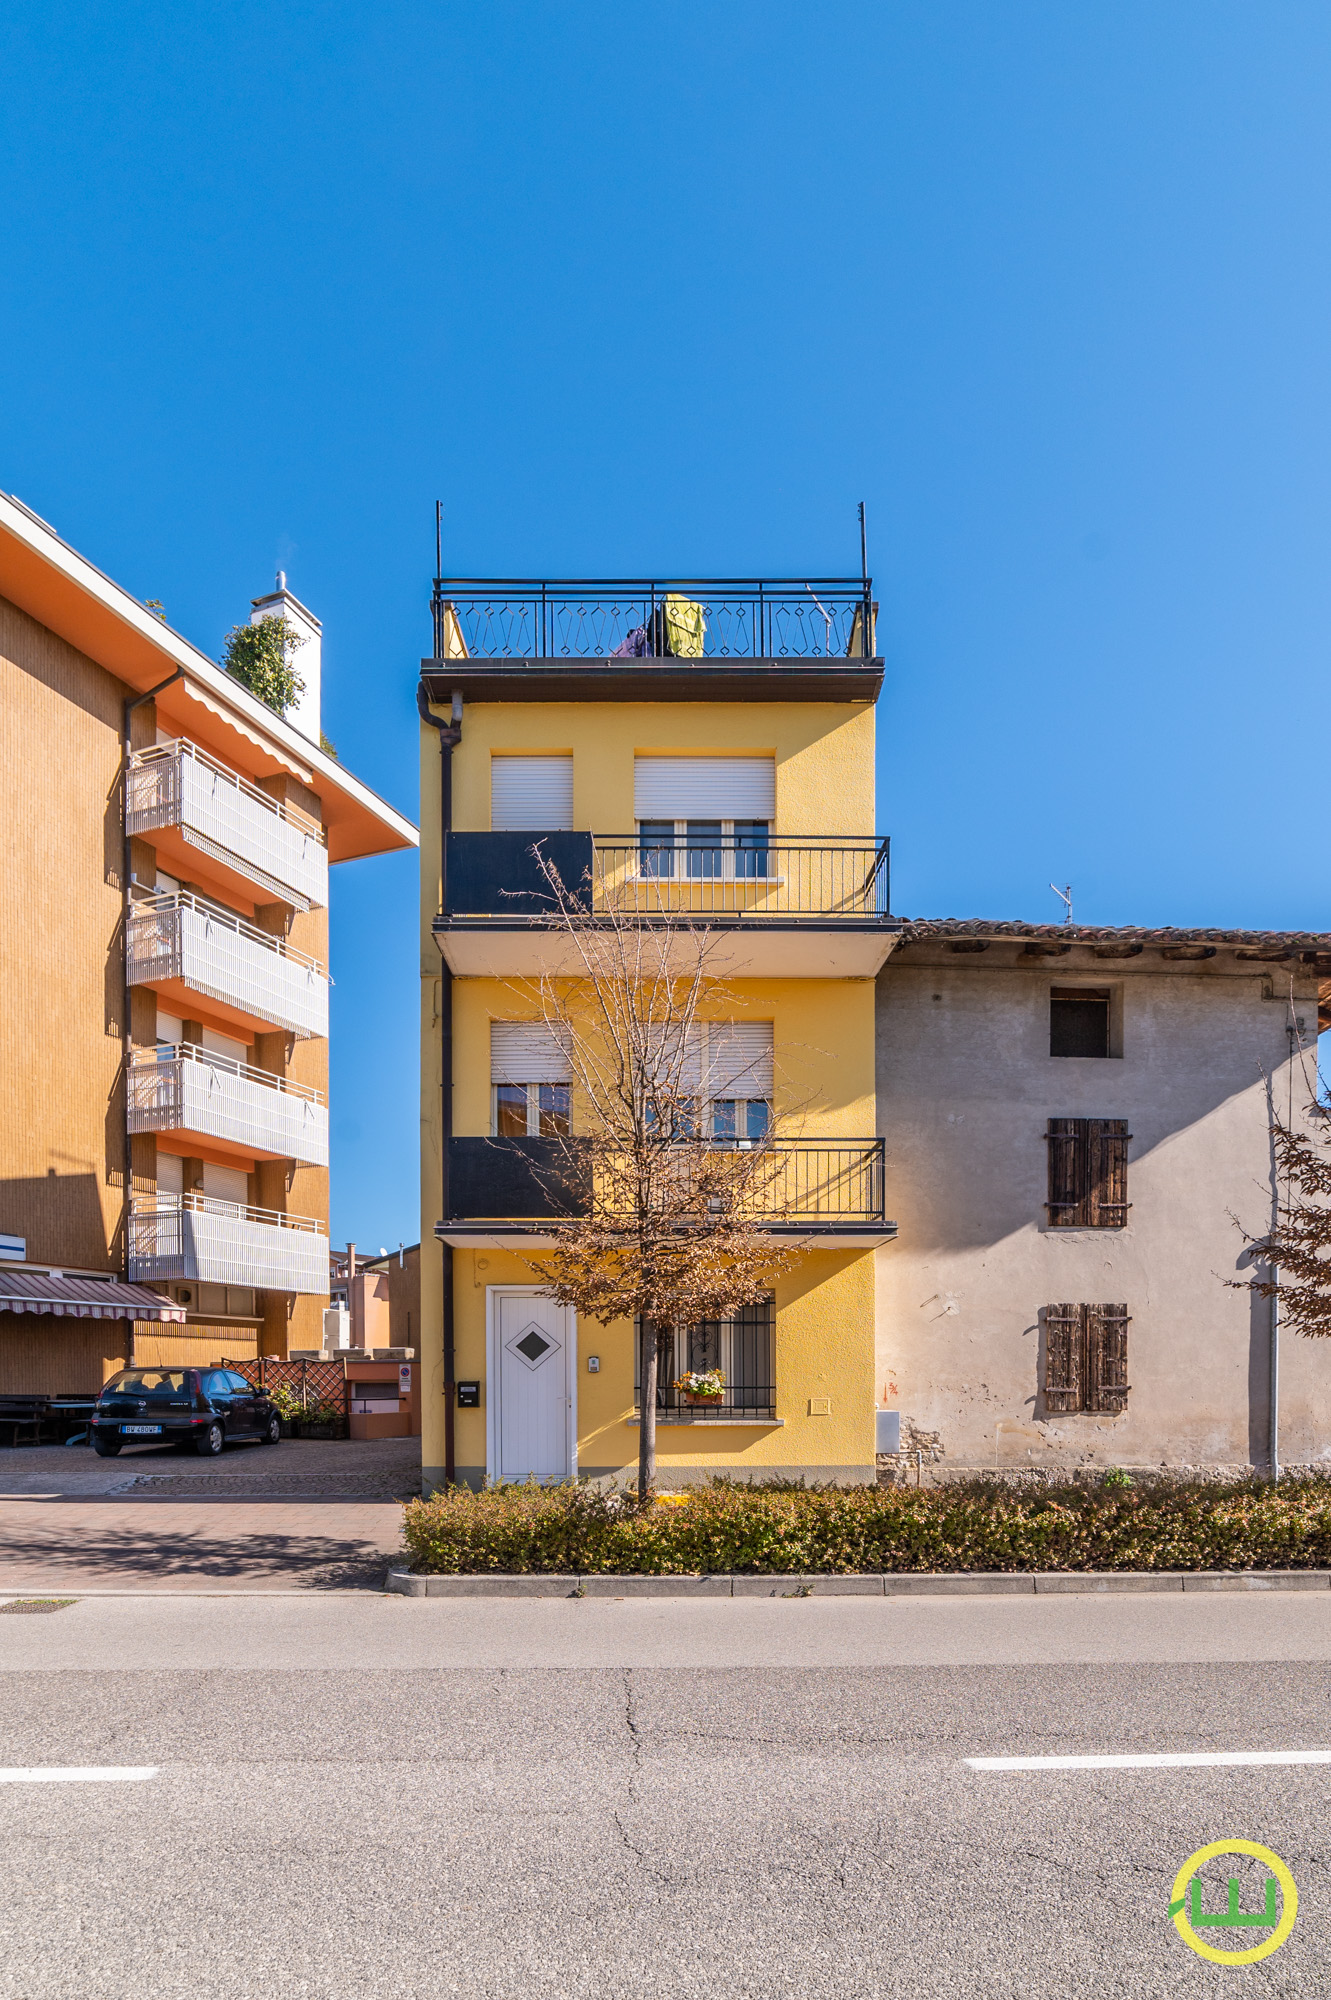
<point>962,1583</point>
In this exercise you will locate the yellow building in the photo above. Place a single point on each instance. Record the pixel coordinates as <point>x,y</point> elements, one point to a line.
<point>164,965</point>
<point>716,741</point>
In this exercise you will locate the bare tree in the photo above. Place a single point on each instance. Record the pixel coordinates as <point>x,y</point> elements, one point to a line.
<point>1297,1247</point>
<point>668,1227</point>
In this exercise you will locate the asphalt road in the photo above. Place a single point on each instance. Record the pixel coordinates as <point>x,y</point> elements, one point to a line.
<point>361,1796</point>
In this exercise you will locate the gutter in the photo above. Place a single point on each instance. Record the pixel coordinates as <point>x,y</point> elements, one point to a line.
<point>450,734</point>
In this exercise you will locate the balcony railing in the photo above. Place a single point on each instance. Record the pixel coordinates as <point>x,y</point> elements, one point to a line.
<point>647,877</point>
<point>180,1087</point>
<point>806,618</point>
<point>807,1184</point>
<point>198,1238</point>
<point>209,950</point>
<point>273,845</point>
<point>497,875</point>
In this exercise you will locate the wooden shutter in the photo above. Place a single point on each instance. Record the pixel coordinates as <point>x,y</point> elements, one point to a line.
<point>1107,1358</point>
<point>1066,1139</point>
<point>1107,1172</point>
<point>1063,1359</point>
<point>1088,1172</point>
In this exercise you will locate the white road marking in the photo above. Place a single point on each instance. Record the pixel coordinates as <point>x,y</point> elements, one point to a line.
<point>76,1774</point>
<point>1163,1760</point>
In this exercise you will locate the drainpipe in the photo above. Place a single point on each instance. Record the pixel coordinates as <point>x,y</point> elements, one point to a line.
<point>1273,1448</point>
<point>128,751</point>
<point>450,734</point>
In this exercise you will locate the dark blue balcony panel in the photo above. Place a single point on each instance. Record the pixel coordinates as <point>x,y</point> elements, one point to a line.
<point>518,1180</point>
<point>498,874</point>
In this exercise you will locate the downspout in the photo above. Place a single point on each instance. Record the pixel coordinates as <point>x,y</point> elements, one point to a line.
<point>1273,1448</point>
<point>128,751</point>
<point>450,734</point>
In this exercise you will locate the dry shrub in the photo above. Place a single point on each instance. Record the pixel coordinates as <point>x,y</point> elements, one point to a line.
<point>783,1529</point>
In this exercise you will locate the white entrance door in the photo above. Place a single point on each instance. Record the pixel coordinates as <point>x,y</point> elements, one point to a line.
<point>531,1378</point>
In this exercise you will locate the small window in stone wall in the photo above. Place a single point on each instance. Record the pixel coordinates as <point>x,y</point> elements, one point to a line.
<point>1085,1358</point>
<point>1079,1021</point>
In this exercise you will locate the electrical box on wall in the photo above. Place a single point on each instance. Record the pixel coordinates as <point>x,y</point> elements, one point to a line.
<point>469,1395</point>
<point>889,1430</point>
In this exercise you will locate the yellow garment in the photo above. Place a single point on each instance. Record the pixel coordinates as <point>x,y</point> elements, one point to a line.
<point>686,627</point>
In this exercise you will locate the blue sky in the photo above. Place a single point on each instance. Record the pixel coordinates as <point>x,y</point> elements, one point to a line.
<point>669,288</point>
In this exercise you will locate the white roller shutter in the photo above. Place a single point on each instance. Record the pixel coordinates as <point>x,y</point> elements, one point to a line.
<point>726,1059</point>
<point>531,794</point>
<point>170,1174</point>
<point>225,1183</point>
<point>704,787</point>
<point>739,1059</point>
<point>526,1052</point>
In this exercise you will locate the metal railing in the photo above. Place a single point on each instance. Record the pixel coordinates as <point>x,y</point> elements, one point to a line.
<point>804,618</point>
<point>199,1238</point>
<point>211,950</point>
<point>273,845</point>
<point>743,1348</point>
<point>181,1087</point>
<point>800,1184</point>
<point>673,876</point>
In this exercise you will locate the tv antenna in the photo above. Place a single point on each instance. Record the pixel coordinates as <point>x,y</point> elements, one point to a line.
<point>1064,897</point>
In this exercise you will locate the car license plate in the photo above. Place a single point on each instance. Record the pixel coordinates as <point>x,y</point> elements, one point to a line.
<point>142,1430</point>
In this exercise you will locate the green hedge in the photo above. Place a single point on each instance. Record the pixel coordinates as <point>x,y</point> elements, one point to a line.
<point>837,1531</point>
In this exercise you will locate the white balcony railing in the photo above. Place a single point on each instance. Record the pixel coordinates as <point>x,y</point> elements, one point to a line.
<point>180,1087</point>
<point>198,1238</point>
<point>210,950</point>
<point>275,846</point>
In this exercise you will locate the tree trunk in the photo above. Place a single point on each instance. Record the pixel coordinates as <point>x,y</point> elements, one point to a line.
<point>651,1369</point>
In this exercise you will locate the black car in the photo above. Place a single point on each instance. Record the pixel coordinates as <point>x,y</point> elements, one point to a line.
<point>205,1407</point>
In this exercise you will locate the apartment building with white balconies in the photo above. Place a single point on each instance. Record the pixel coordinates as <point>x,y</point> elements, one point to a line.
<point>165,966</point>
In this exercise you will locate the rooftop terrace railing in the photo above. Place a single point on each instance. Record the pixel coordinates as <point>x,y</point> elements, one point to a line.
<point>713,618</point>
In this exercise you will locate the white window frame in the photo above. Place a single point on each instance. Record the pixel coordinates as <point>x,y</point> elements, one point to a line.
<point>533,1091</point>
<point>492,1375</point>
<point>728,851</point>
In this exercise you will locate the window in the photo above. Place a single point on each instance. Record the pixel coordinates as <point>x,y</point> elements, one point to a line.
<point>1079,1021</point>
<point>704,850</point>
<point>1088,1173</point>
<point>530,1082</point>
<point>741,1347</point>
<point>742,1119</point>
<point>1085,1358</point>
<point>531,1111</point>
<point>531,794</point>
<point>704,818</point>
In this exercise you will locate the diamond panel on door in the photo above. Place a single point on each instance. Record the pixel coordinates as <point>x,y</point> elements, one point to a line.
<point>533,1345</point>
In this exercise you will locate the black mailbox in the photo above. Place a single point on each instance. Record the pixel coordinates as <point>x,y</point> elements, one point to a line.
<point>469,1395</point>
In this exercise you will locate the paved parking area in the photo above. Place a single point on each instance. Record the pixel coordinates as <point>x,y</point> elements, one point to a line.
<point>302,1515</point>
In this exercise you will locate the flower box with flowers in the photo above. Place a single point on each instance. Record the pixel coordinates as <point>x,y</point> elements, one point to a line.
<point>702,1385</point>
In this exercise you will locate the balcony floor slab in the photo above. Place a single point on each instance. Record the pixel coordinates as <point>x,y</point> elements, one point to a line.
<point>800,950</point>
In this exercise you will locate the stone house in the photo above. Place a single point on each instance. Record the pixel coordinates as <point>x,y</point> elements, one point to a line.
<point>1077,1130</point>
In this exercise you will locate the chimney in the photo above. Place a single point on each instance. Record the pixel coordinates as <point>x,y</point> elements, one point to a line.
<point>351,1260</point>
<point>307,661</point>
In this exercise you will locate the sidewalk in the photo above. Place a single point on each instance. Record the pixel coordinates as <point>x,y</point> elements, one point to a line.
<point>305,1515</point>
